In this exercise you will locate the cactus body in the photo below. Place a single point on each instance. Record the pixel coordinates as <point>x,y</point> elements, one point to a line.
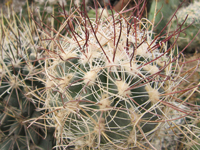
<point>188,18</point>
<point>105,86</point>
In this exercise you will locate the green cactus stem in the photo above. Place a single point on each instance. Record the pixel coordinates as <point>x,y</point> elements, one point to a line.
<point>160,11</point>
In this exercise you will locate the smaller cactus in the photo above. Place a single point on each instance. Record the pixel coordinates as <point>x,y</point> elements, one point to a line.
<point>20,69</point>
<point>188,18</point>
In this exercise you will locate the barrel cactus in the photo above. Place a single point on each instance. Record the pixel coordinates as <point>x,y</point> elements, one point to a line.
<point>110,85</point>
<point>20,68</point>
<point>188,18</point>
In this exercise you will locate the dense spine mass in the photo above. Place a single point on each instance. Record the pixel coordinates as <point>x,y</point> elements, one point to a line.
<point>111,85</point>
<point>93,83</point>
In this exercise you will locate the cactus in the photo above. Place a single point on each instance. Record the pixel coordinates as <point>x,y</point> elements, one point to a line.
<point>20,68</point>
<point>160,11</point>
<point>106,84</point>
<point>188,17</point>
<point>110,85</point>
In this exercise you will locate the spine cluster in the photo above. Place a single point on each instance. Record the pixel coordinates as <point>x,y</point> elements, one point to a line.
<point>95,83</point>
